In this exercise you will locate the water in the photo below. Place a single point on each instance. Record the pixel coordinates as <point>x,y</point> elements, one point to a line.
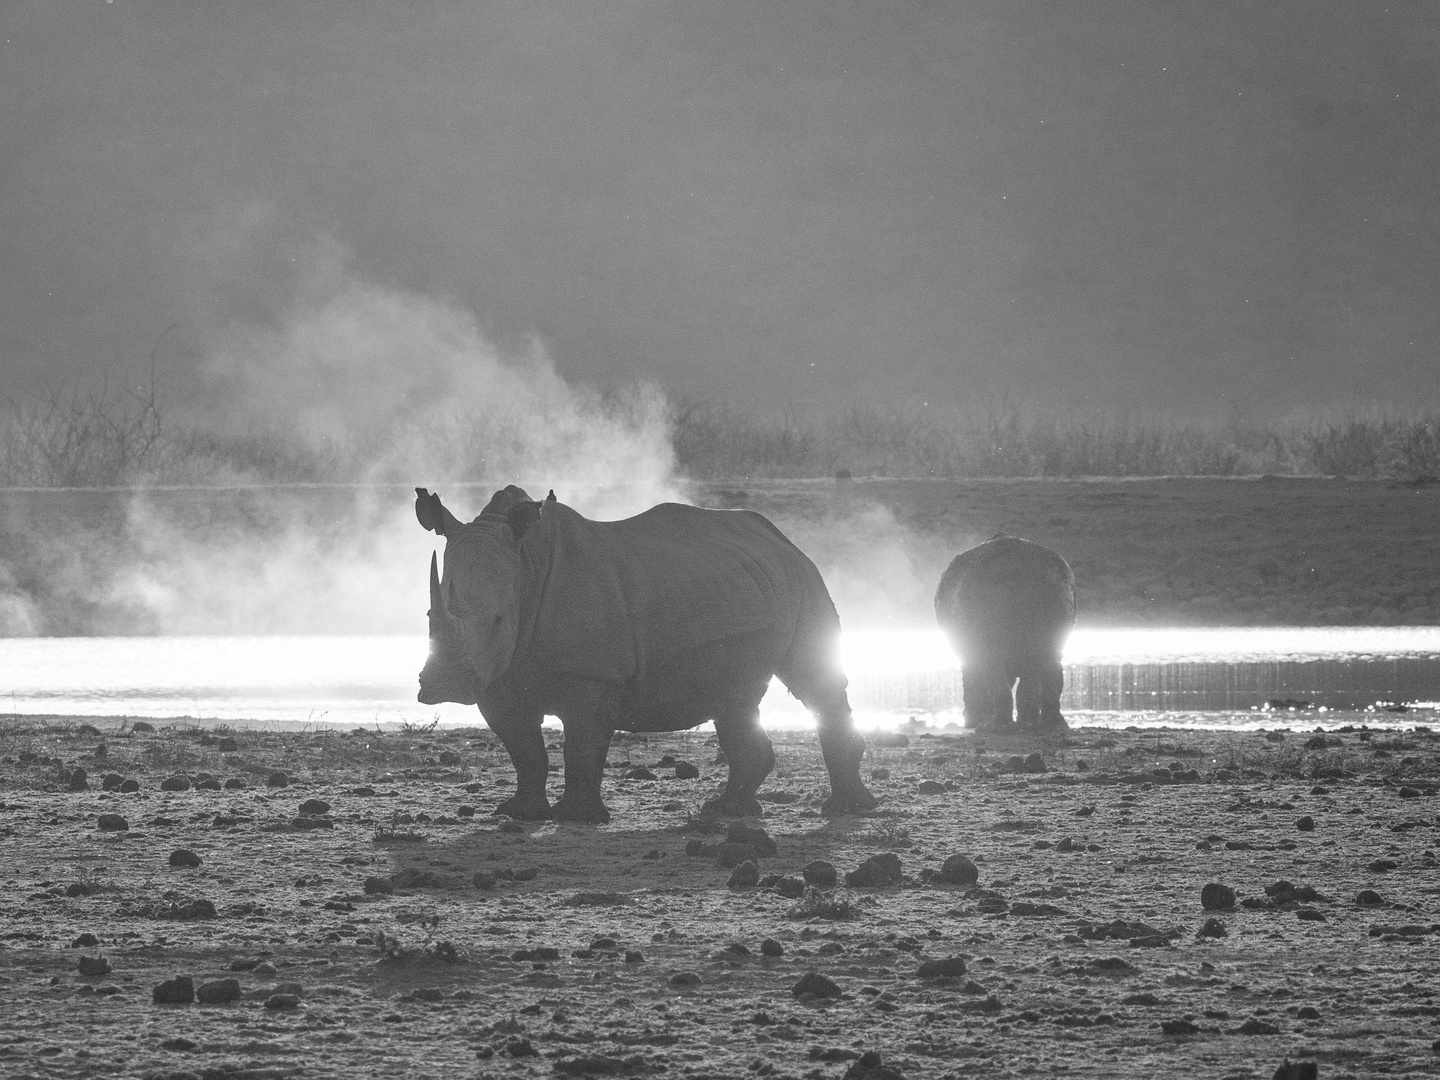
<point>1175,677</point>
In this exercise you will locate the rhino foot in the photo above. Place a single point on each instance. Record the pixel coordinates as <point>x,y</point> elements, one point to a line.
<point>730,804</point>
<point>588,810</point>
<point>855,801</point>
<point>524,809</point>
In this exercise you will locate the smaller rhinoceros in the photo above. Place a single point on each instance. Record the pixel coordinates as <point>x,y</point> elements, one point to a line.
<point>1007,607</point>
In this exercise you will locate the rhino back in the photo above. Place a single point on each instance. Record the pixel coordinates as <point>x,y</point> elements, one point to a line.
<point>1007,585</point>
<point>625,601</point>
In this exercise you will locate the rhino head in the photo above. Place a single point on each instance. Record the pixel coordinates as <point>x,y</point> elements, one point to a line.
<point>475,605</point>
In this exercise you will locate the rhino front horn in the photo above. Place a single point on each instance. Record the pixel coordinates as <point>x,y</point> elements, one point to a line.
<point>437,602</point>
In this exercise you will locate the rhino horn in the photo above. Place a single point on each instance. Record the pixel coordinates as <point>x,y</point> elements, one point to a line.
<point>437,602</point>
<point>433,515</point>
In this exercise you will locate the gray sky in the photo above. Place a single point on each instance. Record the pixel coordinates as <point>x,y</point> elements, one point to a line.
<point>1177,205</point>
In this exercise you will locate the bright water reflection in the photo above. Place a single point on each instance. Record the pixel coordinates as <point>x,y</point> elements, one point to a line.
<point>1206,677</point>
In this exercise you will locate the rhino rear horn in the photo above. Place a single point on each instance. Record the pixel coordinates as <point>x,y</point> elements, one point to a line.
<point>432,515</point>
<point>521,517</point>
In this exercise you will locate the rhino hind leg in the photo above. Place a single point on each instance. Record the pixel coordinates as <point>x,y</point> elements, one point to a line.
<point>842,748</point>
<point>1038,699</point>
<point>749,753</point>
<point>986,689</point>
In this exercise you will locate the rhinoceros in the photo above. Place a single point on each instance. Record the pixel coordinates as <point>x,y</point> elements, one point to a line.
<point>659,622</point>
<point>1007,607</point>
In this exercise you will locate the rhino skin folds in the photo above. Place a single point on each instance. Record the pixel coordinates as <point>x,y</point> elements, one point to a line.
<point>659,622</point>
<point>1007,607</point>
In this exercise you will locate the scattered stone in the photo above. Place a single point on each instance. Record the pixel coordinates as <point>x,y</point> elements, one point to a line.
<point>112,823</point>
<point>79,780</point>
<point>277,779</point>
<point>129,786</point>
<point>1297,1070</point>
<point>771,947</point>
<point>384,886</point>
<point>1286,892</point>
<point>235,783</point>
<point>820,905</point>
<point>634,956</point>
<point>314,808</point>
<point>869,1066</point>
<point>744,876</point>
<point>1217,897</point>
<point>740,833</point>
<point>140,727</point>
<point>449,757</point>
<point>1310,915</point>
<point>958,870</point>
<point>882,869</point>
<point>687,770</point>
<point>817,985</point>
<point>282,1002</point>
<point>184,857</point>
<point>1306,824</point>
<point>178,782</point>
<point>1369,897</point>
<point>1034,765</point>
<point>85,941</point>
<point>1382,866</point>
<point>685,978</point>
<point>640,772</point>
<point>1307,1012</point>
<point>218,992</point>
<point>480,879</point>
<point>1408,793</point>
<point>931,787</point>
<point>1213,928</point>
<point>92,966</point>
<point>1256,1026</point>
<point>177,991</point>
<point>731,854</point>
<point>949,968</point>
<point>227,745</point>
<point>1179,1027</point>
<point>111,781</point>
<point>820,873</point>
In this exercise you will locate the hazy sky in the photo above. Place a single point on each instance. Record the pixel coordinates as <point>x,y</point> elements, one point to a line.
<point>1176,204</point>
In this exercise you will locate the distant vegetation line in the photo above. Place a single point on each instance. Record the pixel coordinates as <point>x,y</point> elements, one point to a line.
<point>100,438</point>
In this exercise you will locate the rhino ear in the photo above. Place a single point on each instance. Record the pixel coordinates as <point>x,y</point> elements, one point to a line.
<point>432,515</point>
<point>521,516</point>
<point>551,496</point>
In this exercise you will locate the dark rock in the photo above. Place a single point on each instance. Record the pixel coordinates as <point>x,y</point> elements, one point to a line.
<point>931,787</point>
<point>744,876</point>
<point>78,781</point>
<point>111,781</point>
<point>1381,866</point>
<point>1256,1026</point>
<point>1297,1070</point>
<point>112,823</point>
<point>634,956</point>
<point>449,758</point>
<point>1034,764</point>
<point>178,782</point>
<point>282,1002</point>
<point>85,941</point>
<point>1179,1027</point>
<point>384,886</point>
<point>740,833</point>
<point>177,991</point>
<point>227,745</point>
<point>686,770</point>
<point>1307,1012</point>
<point>91,966</point>
<point>790,887</point>
<point>950,967</point>
<point>1409,793</point>
<point>1306,824</point>
<point>184,857</point>
<point>1369,897</point>
<point>140,727</point>
<point>771,947</point>
<point>207,783</point>
<point>869,1066</point>
<point>1213,928</point>
<point>1217,897</point>
<point>958,870</point>
<point>685,978</point>
<point>314,808</point>
<point>640,772</point>
<point>820,873</point>
<point>277,779</point>
<point>817,985</point>
<point>480,879</point>
<point>733,854</point>
<point>129,786</point>
<point>882,869</point>
<point>218,992</point>
<point>235,783</point>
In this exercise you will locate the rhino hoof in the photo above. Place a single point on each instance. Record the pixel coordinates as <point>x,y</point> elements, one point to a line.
<point>592,811</point>
<point>528,810</point>
<point>854,802</point>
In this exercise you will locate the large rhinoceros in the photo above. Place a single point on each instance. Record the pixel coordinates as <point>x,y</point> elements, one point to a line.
<point>1007,607</point>
<point>659,622</point>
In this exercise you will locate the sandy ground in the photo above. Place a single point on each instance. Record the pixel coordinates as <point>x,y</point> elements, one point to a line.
<point>404,931</point>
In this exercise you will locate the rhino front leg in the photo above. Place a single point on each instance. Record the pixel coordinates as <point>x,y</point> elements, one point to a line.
<point>749,753</point>
<point>985,689</point>
<point>518,728</point>
<point>588,712</point>
<point>842,747</point>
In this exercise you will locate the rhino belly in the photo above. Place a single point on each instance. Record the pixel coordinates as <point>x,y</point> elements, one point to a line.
<point>688,689</point>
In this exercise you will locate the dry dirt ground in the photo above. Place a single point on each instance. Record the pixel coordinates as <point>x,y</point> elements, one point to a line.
<point>404,931</point>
